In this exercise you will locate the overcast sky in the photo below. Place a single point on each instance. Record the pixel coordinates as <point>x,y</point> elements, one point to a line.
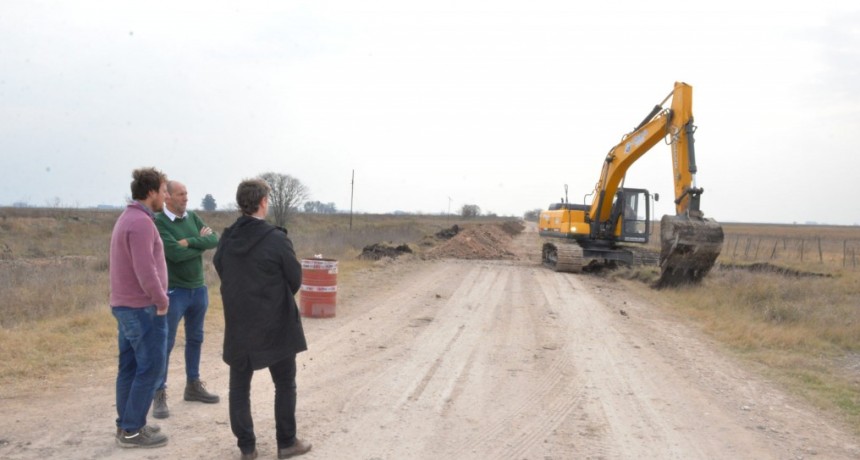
<point>433,104</point>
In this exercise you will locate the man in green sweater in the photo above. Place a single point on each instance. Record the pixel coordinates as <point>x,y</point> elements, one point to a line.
<point>185,238</point>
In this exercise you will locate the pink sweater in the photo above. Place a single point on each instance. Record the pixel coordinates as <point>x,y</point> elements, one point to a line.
<point>138,271</point>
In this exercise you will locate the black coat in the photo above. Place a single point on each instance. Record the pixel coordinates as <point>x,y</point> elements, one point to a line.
<point>260,276</point>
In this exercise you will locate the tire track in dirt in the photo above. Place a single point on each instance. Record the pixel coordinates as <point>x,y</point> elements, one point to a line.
<point>422,371</point>
<point>381,334</point>
<point>515,428</point>
<point>374,336</point>
<point>463,340</point>
<point>628,412</point>
<point>425,380</point>
<point>458,319</point>
<point>537,399</point>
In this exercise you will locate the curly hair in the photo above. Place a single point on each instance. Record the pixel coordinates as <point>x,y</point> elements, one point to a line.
<point>145,180</point>
<point>250,193</point>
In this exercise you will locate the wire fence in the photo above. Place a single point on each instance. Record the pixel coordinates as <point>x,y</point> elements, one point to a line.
<point>823,251</point>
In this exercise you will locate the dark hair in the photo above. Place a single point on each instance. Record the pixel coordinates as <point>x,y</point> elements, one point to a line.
<point>250,193</point>
<point>145,180</point>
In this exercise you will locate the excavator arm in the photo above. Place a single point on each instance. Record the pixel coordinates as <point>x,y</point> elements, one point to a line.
<point>676,124</point>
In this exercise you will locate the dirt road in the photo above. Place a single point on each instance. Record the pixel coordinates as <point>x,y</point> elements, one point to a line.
<point>473,360</point>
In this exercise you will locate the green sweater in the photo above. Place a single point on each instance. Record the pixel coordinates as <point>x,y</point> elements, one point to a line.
<point>184,264</point>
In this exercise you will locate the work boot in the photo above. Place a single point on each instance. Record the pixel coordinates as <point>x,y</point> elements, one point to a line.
<point>195,391</point>
<point>298,448</point>
<point>159,404</point>
<point>143,437</point>
<point>151,428</point>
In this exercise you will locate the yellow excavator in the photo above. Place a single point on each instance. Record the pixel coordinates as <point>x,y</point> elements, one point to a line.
<point>575,236</point>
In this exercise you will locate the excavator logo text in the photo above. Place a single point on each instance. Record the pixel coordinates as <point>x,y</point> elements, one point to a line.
<point>636,142</point>
<point>675,167</point>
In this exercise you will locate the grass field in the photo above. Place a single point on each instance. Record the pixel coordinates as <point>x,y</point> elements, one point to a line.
<point>803,331</point>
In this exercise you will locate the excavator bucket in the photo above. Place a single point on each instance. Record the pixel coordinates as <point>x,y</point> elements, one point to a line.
<point>690,247</point>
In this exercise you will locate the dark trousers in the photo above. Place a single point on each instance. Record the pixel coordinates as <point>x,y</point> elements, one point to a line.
<point>284,377</point>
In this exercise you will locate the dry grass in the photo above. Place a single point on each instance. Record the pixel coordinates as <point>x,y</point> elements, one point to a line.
<point>33,233</point>
<point>31,289</point>
<point>38,353</point>
<point>52,262</point>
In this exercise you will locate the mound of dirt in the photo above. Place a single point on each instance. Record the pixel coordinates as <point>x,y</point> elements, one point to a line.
<point>513,227</point>
<point>379,250</point>
<point>479,241</point>
<point>448,233</point>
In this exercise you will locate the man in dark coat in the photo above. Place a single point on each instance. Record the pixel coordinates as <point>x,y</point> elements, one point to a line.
<point>260,276</point>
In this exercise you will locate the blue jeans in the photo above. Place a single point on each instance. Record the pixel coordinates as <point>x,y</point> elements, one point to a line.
<point>190,304</point>
<point>142,340</point>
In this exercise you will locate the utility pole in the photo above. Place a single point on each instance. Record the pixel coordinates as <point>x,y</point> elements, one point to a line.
<point>449,209</point>
<point>351,194</point>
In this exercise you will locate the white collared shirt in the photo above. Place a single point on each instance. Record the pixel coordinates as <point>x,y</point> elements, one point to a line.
<point>172,216</point>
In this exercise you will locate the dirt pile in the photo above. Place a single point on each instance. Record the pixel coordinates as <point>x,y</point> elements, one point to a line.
<point>448,233</point>
<point>379,250</point>
<point>479,241</point>
<point>513,227</point>
<point>764,267</point>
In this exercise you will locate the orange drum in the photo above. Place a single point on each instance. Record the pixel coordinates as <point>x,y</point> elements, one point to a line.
<point>319,288</point>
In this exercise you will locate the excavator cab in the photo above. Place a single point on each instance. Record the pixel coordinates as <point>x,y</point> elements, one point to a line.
<point>633,211</point>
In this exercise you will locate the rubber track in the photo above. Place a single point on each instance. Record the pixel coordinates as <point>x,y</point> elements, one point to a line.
<point>569,258</point>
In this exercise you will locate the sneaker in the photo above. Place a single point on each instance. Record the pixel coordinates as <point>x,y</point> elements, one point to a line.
<point>152,429</point>
<point>143,437</point>
<point>159,404</point>
<point>249,456</point>
<point>298,448</point>
<point>195,391</point>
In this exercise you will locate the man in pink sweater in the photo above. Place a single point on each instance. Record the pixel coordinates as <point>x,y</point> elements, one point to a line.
<point>138,300</point>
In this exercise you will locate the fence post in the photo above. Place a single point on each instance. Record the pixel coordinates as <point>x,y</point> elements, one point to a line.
<point>757,244</point>
<point>773,253</point>
<point>735,250</point>
<point>844,252</point>
<point>801,249</point>
<point>820,255</point>
<point>747,249</point>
